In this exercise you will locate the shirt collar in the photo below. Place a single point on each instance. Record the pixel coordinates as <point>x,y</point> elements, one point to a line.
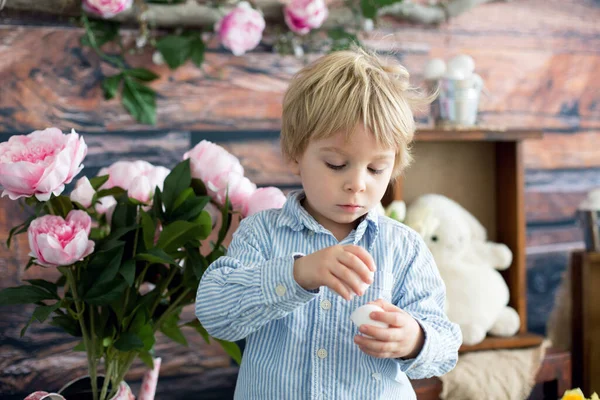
<point>297,218</point>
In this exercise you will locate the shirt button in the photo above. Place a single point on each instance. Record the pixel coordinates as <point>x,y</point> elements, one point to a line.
<point>376,376</point>
<point>280,290</point>
<point>311,233</point>
<point>325,304</point>
<point>322,353</point>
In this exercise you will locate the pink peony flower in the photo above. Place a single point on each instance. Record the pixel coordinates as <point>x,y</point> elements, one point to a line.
<point>241,29</point>
<point>303,15</point>
<point>263,199</point>
<point>83,192</point>
<point>55,241</point>
<point>106,205</point>
<point>106,8</point>
<point>40,163</point>
<point>235,185</point>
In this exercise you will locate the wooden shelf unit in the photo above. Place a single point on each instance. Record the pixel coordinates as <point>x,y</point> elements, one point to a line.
<point>481,169</point>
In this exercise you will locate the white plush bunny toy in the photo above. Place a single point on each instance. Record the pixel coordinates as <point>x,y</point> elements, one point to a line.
<point>477,295</point>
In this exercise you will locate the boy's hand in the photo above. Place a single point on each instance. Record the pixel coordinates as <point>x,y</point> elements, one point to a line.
<point>403,339</point>
<point>343,269</point>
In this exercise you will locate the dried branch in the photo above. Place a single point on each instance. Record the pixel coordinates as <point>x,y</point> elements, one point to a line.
<point>194,14</point>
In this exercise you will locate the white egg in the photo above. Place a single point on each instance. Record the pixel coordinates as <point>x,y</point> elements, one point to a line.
<point>364,285</point>
<point>361,316</point>
<point>434,69</point>
<point>462,64</point>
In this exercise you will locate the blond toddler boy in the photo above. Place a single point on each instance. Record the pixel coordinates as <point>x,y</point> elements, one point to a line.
<point>293,276</point>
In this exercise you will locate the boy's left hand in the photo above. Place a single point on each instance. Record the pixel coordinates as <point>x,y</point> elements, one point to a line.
<point>403,339</point>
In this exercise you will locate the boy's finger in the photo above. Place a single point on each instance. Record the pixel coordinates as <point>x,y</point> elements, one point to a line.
<point>386,305</point>
<point>357,265</point>
<point>362,254</point>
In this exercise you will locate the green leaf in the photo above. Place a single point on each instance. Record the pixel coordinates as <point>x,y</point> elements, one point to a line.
<point>146,358</point>
<point>188,193</point>
<point>158,256</point>
<point>25,294</point>
<point>232,349</point>
<point>99,32</point>
<point>197,50</point>
<point>146,333</point>
<point>157,205</point>
<point>170,329</point>
<point>140,101</point>
<point>342,40</point>
<point>128,342</point>
<point>148,229</point>
<point>105,293</point>
<point>113,191</point>
<point>199,187</point>
<point>124,216</point>
<point>19,229</point>
<point>79,347</point>
<point>98,181</point>
<point>67,323</point>
<point>142,74</point>
<point>204,220</point>
<point>127,271</point>
<point>175,50</point>
<point>106,262</point>
<point>191,209</point>
<point>225,221</point>
<point>369,8</point>
<point>198,327</point>
<point>178,234</point>
<point>175,183</point>
<point>110,85</point>
<point>195,261</point>
<point>48,286</point>
<point>41,313</point>
<point>61,205</point>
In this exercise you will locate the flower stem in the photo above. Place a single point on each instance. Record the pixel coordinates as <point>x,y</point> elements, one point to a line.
<point>107,377</point>
<point>172,307</point>
<point>121,372</point>
<point>91,358</point>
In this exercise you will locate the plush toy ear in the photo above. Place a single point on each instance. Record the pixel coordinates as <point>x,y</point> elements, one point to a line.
<point>477,231</point>
<point>423,221</point>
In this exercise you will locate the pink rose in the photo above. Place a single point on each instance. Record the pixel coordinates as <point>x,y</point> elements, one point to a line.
<point>303,15</point>
<point>55,241</point>
<point>241,29</point>
<point>40,163</point>
<point>106,8</point>
<point>83,192</point>
<point>235,185</point>
<point>264,199</point>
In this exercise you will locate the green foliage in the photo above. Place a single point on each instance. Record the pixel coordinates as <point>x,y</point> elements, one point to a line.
<point>145,268</point>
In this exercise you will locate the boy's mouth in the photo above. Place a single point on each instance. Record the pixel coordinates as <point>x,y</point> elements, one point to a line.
<point>350,207</point>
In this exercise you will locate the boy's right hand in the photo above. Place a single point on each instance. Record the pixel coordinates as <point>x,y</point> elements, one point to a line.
<point>343,269</point>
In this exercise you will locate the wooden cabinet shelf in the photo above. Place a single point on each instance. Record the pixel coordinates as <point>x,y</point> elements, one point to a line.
<point>481,169</point>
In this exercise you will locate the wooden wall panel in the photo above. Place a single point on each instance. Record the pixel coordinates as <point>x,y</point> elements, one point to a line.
<point>539,60</point>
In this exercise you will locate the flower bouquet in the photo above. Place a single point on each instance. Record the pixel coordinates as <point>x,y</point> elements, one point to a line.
<point>130,245</point>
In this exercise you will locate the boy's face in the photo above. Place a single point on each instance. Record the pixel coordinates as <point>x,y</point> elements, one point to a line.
<point>343,180</point>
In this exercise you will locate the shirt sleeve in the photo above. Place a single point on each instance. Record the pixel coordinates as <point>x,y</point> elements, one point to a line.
<point>243,291</point>
<point>422,294</point>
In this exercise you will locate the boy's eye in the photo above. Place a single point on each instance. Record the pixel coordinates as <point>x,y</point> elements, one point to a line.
<point>376,171</point>
<point>335,167</point>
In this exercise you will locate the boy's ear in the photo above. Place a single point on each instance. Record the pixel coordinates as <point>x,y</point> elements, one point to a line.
<point>294,167</point>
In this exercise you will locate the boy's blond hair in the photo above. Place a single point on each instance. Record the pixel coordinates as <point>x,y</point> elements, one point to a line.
<point>342,89</point>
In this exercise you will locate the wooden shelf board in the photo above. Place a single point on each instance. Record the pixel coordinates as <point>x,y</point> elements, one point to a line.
<point>514,342</point>
<point>489,134</point>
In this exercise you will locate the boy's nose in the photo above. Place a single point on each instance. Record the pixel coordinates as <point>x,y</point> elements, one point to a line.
<point>355,184</point>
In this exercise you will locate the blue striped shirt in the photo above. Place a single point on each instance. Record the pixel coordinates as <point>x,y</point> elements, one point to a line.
<point>300,344</point>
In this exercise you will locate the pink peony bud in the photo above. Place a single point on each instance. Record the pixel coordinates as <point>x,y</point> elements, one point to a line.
<point>55,241</point>
<point>208,161</point>
<point>235,185</point>
<point>106,205</point>
<point>83,192</point>
<point>241,29</point>
<point>303,15</point>
<point>140,189</point>
<point>106,8</point>
<point>40,163</point>
<point>263,199</point>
